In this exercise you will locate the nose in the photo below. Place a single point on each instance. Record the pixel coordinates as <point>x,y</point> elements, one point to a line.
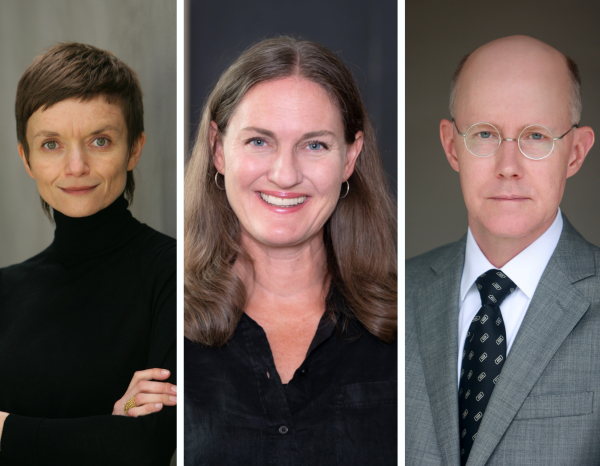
<point>284,170</point>
<point>509,160</point>
<point>76,162</point>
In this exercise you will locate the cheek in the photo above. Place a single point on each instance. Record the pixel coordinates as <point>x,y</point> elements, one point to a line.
<point>45,172</point>
<point>550,184</point>
<point>113,172</point>
<point>470,181</point>
<point>325,174</point>
<point>326,183</point>
<point>242,170</point>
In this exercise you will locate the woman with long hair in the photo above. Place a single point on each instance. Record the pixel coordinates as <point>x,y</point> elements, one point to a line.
<point>290,269</point>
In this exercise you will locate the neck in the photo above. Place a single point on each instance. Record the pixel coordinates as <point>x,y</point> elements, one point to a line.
<point>95,234</point>
<point>499,250</point>
<point>288,280</point>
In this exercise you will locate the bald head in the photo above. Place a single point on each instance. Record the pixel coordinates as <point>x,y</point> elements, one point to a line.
<point>510,68</point>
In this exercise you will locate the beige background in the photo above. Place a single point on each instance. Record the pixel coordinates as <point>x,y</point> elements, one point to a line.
<point>438,35</point>
<point>142,33</point>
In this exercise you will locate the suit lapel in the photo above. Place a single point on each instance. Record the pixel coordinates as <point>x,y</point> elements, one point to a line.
<point>554,311</point>
<point>437,329</point>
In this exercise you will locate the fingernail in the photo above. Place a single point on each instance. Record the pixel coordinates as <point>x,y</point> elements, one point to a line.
<point>174,388</point>
<point>158,405</point>
<point>172,398</point>
<point>164,371</point>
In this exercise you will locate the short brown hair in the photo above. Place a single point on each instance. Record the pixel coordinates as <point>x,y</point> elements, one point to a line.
<point>359,236</point>
<point>80,71</point>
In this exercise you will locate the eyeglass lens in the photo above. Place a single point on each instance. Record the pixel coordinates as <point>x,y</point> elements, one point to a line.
<point>535,142</point>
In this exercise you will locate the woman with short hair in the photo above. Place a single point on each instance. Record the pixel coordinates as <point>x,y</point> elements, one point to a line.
<point>97,307</point>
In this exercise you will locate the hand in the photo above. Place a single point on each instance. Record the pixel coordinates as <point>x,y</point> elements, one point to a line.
<point>149,396</point>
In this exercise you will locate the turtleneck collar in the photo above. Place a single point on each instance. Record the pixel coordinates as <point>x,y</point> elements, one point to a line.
<point>95,234</point>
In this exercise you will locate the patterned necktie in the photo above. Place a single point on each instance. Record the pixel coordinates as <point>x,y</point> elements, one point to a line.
<point>483,357</point>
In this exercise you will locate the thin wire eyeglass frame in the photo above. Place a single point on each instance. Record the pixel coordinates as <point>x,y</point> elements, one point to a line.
<point>518,140</point>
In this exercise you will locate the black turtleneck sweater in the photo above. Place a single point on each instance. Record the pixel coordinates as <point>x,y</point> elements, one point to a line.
<point>76,322</point>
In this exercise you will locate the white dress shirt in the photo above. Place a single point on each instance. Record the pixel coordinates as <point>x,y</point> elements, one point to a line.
<point>525,270</point>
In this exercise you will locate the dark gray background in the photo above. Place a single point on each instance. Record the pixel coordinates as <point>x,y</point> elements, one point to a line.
<point>364,34</point>
<point>438,35</point>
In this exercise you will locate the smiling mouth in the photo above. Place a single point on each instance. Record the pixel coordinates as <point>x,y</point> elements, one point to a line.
<point>282,201</point>
<point>78,189</point>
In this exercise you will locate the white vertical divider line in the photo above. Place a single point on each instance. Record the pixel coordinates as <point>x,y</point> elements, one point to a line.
<point>401,225</point>
<point>182,31</point>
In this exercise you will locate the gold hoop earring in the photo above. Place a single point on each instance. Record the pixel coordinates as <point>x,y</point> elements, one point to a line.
<point>347,189</point>
<point>217,181</point>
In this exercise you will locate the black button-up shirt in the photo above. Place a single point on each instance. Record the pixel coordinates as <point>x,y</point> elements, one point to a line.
<point>339,408</point>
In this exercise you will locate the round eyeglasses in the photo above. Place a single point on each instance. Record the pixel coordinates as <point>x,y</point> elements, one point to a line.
<point>535,141</point>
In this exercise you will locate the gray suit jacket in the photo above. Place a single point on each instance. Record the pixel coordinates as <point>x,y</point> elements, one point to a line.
<point>545,409</point>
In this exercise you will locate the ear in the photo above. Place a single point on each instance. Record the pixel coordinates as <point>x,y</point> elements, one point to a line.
<point>447,138</point>
<point>136,152</point>
<point>583,141</point>
<point>352,152</point>
<point>216,144</point>
<point>24,160</point>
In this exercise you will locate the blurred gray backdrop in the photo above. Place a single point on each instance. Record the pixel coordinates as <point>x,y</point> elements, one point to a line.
<point>438,35</point>
<point>142,33</point>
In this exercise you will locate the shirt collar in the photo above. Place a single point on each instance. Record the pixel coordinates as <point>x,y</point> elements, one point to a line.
<point>525,269</point>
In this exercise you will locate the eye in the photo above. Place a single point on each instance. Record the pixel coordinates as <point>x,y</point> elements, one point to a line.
<point>537,136</point>
<point>257,142</point>
<point>485,134</point>
<point>314,146</point>
<point>50,145</point>
<point>100,142</point>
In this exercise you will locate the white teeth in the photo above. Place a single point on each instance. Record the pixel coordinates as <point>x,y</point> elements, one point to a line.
<point>282,201</point>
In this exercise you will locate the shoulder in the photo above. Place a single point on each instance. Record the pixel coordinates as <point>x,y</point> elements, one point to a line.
<point>579,260</point>
<point>420,269</point>
<point>151,240</point>
<point>35,264</point>
<point>153,249</point>
<point>156,254</point>
<point>572,243</point>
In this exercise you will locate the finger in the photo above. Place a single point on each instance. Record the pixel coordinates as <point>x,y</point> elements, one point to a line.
<point>147,398</point>
<point>144,410</point>
<point>150,386</point>
<point>149,374</point>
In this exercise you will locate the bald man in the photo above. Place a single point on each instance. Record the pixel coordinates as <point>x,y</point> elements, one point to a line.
<point>503,326</point>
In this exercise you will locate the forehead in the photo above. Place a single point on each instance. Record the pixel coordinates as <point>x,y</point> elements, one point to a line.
<point>514,87</point>
<point>288,105</point>
<point>76,113</point>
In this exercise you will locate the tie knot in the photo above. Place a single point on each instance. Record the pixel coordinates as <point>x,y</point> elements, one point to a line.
<point>494,286</point>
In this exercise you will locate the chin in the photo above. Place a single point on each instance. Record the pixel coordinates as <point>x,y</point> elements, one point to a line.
<point>515,226</point>
<point>279,240</point>
<point>77,210</point>
<point>277,237</point>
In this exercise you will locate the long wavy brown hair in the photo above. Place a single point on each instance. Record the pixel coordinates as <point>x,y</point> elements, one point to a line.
<point>359,236</point>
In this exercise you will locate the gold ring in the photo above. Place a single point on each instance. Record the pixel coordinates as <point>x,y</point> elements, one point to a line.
<point>130,404</point>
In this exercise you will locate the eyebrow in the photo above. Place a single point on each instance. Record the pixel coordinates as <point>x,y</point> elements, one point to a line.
<point>271,134</point>
<point>266,132</point>
<point>316,134</point>
<point>46,134</point>
<point>53,134</point>
<point>106,128</point>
